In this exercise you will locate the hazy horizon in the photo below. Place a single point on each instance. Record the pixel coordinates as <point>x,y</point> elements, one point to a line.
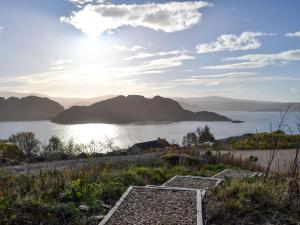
<point>25,94</point>
<point>91,48</point>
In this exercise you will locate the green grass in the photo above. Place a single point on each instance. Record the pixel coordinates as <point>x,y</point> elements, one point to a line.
<point>51,198</point>
<point>260,141</point>
<point>254,201</point>
<point>55,196</point>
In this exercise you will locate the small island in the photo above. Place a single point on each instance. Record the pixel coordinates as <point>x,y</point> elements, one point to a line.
<point>30,108</point>
<point>134,109</point>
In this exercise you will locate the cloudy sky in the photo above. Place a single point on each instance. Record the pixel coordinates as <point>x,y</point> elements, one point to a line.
<point>87,48</point>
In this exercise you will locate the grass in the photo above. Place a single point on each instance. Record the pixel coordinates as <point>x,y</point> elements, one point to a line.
<point>254,201</point>
<point>75,196</point>
<point>54,197</point>
<point>259,141</point>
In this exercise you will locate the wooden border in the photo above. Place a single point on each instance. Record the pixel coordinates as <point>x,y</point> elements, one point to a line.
<point>224,171</point>
<point>218,180</point>
<point>199,194</point>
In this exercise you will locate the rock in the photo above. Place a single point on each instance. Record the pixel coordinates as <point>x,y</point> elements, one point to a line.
<point>106,206</point>
<point>98,217</point>
<point>84,207</point>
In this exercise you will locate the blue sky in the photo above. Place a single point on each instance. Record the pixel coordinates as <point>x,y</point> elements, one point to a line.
<point>86,48</point>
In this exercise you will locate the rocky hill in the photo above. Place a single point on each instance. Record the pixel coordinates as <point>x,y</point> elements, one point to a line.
<point>134,108</point>
<point>28,109</point>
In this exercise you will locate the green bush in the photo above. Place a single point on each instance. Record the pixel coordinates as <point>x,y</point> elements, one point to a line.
<point>11,151</point>
<point>171,159</point>
<point>181,159</point>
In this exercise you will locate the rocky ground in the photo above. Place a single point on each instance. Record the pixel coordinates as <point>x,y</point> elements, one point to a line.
<point>148,206</point>
<point>78,163</point>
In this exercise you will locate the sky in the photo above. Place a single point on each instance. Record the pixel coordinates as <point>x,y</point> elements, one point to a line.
<point>88,48</point>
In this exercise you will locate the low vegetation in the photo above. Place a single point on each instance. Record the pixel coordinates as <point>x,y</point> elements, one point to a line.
<point>260,141</point>
<point>82,196</point>
<point>77,196</point>
<point>256,201</point>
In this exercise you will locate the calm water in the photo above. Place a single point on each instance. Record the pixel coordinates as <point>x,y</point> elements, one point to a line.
<point>126,135</point>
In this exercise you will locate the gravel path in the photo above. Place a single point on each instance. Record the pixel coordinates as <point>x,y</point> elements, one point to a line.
<point>281,163</point>
<point>155,206</point>
<point>192,182</point>
<point>78,163</point>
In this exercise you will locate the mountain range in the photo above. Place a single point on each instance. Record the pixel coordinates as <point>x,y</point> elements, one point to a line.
<point>215,103</point>
<point>210,103</point>
<point>134,108</point>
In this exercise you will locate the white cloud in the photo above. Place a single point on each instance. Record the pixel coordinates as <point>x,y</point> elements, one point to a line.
<point>296,34</point>
<point>1,29</point>
<point>253,61</point>
<point>157,65</point>
<point>168,17</point>
<point>60,64</point>
<point>231,42</point>
<point>144,55</point>
<point>122,48</point>
<point>215,77</point>
<point>80,3</point>
<point>107,77</point>
<point>224,75</point>
<point>214,83</point>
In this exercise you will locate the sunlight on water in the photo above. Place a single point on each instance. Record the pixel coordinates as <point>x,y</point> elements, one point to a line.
<point>124,135</point>
<point>84,133</point>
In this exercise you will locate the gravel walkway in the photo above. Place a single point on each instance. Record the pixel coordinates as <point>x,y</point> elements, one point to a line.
<point>193,182</point>
<point>282,161</point>
<point>237,174</point>
<point>78,163</point>
<point>155,206</point>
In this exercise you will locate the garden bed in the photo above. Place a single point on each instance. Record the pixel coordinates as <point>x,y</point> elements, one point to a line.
<point>156,205</point>
<point>193,182</point>
<point>237,174</point>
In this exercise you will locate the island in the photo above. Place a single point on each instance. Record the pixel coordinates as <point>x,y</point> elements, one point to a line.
<point>132,109</point>
<point>29,108</point>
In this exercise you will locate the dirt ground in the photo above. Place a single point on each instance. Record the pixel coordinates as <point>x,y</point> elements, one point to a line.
<point>282,160</point>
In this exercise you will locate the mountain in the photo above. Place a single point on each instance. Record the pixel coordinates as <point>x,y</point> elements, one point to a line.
<point>65,102</point>
<point>28,108</point>
<point>215,103</point>
<point>133,108</point>
<point>210,103</point>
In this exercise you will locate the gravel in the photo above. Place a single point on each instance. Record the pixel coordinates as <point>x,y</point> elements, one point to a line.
<point>282,159</point>
<point>155,206</point>
<point>237,174</point>
<point>192,182</point>
<point>78,163</point>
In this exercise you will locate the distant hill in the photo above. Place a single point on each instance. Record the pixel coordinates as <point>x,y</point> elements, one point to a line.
<point>64,101</point>
<point>210,103</point>
<point>133,108</point>
<point>28,109</point>
<point>215,103</point>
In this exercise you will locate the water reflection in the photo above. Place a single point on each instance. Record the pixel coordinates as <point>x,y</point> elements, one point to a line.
<point>128,134</point>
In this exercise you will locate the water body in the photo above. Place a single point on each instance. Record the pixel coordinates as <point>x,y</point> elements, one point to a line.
<point>125,135</point>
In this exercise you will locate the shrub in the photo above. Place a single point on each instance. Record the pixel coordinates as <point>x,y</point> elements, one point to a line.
<point>253,158</point>
<point>11,152</point>
<point>26,142</point>
<point>171,159</point>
